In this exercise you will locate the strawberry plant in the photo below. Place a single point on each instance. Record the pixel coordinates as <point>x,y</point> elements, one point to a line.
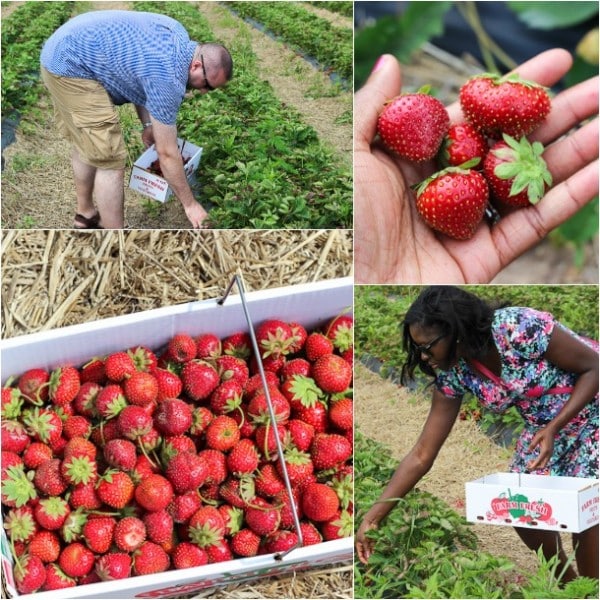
<point>138,462</point>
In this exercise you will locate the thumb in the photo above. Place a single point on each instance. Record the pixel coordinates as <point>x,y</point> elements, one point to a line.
<point>383,84</point>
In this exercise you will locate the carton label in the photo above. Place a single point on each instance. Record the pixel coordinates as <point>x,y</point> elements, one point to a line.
<point>518,506</point>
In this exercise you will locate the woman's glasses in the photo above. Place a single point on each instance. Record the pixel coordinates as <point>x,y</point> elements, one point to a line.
<point>426,348</point>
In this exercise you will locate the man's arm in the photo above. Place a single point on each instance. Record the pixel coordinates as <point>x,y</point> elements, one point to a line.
<point>165,138</point>
<point>147,132</point>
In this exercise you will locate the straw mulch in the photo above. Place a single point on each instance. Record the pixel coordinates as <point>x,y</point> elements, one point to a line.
<point>56,278</point>
<point>394,416</point>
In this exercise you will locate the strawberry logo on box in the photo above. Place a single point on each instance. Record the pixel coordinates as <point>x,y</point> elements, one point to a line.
<point>518,506</point>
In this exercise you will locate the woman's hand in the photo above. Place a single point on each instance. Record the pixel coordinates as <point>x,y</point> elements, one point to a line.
<point>394,245</point>
<point>544,438</point>
<point>364,545</point>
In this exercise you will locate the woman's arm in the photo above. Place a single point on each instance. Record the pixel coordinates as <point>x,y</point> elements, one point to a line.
<point>412,467</point>
<point>573,356</point>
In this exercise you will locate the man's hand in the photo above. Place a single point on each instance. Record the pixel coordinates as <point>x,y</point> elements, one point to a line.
<point>392,242</point>
<point>148,136</point>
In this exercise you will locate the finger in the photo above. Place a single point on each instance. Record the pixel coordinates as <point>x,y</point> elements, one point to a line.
<point>382,85</point>
<point>569,108</point>
<point>546,69</point>
<point>519,231</point>
<point>570,154</point>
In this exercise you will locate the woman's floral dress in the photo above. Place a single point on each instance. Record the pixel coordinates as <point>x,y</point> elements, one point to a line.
<point>522,336</point>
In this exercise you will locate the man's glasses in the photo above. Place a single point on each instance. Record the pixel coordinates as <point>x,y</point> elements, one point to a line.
<point>207,85</point>
<point>426,348</point>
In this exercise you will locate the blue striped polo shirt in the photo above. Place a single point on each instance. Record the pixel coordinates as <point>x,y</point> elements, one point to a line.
<point>138,57</point>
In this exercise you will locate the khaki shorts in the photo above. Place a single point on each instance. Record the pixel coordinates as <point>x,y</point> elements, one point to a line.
<point>86,116</point>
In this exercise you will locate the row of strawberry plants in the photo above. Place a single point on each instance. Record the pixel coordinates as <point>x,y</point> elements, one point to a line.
<point>262,166</point>
<point>310,34</point>
<point>342,7</point>
<point>23,34</point>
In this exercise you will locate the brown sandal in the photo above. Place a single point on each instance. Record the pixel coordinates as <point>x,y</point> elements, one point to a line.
<point>82,222</point>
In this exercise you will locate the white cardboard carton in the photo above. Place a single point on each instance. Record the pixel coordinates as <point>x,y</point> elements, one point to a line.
<point>309,304</point>
<point>153,186</point>
<point>537,501</point>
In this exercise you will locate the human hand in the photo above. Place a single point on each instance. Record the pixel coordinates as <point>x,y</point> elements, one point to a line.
<point>196,214</point>
<point>544,438</point>
<point>364,545</point>
<point>147,137</point>
<point>394,245</point>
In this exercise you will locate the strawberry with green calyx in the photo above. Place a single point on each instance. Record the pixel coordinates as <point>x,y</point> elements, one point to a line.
<point>20,524</point>
<point>98,533</point>
<point>504,104</point>
<point>301,391</point>
<point>79,469</point>
<point>462,144</point>
<point>413,125</point>
<point>110,401</point>
<point>298,464</point>
<point>339,526</point>
<point>113,565</point>
<point>453,201</point>
<point>317,344</point>
<point>340,330</point>
<point>64,384</point>
<point>14,436</point>
<point>119,366</point>
<point>12,403</point>
<point>206,527</point>
<point>115,488</point>
<point>243,458</point>
<point>232,368</point>
<point>262,516</point>
<point>48,478</point>
<point>233,517</point>
<point>238,344</point>
<point>143,358</point>
<point>329,450</point>
<point>33,384</point>
<point>227,398</point>
<point>30,574</point>
<point>516,172</point>
<point>52,512</point>
<point>43,425</point>
<point>274,338</point>
<point>208,346</point>
<point>199,379</point>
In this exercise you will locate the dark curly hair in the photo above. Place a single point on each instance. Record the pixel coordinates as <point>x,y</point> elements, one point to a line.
<point>457,314</point>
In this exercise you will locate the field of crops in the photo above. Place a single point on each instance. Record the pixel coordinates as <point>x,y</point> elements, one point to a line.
<point>265,164</point>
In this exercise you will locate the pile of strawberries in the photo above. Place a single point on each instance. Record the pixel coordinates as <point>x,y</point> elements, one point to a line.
<point>144,460</point>
<point>487,158</point>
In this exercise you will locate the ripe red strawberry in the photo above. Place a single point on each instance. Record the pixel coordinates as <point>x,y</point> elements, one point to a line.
<point>265,438</point>
<point>150,558</point>
<point>64,385</point>
<point>301,434</point>
<point>154,492</point>
<point>169,384</point>
<point>43,425</point>
<point>238,344</point>
<point>245,543</point>
<point>243,458</point>
<point>453,201</point>
<point>141,388</point>
<point>282,499</point>
<point>119,366</point>
<point>77,426</point>
<point>114,565</point>
<point>217,465</point>
<point>255,383</point>
<point>201,418</point>
<point>35,454</point>
<point>30,574</point>
<point>301,391</point>
<point>84,496</point>
<point>223,433</point>
<point>98,533</point>
<point>341,414</point>
<point>258,407</point>
<point>51,512</point>
<point>57,579</point>
<point>274,338</point>
<point>181,348</point>
<point>208,346</point>
<point>315,414</point>
<point>310,534</point>
<point>115,488</point>
<point>319,502</point>
<point>268,482</point>
<point>20,524</point>
<point>504,104</point>
<point>227,397</point>
<point>110,401</point>
<point>183,506</point>
<point>159,526</point>
<point>330,450</point>
<point>45,545</point>
<point>186,555</point>
<point>516,172</point>
<point>317,344</point>
<point>134,422</point>
<point>76,560</point>
<point>129,534</point>
<point>186,471</point>
<point>48,479</point>
<point>339,526</point>
<point>413,126</point>
<point>79,469</point>
<point>93,371</point>
<point>340,330</point>
<point>262,516</point>
<point>332,373</point>
<point>280,541</point>
<point>121,454</point>
<point>33,384</point>
<point>206,526</point>
<point>85,401</point>
<point>199,379</point>
<point>462,144</point>
<point>143,358</point>
<point>295,366</point>
<point>12,403</point>
<point>14,436</point>
<point>298,464</point>
<point>232,368</point>
<point>173,416</point>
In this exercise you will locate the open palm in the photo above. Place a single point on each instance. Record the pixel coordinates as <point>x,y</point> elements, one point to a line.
<point>392,242</point>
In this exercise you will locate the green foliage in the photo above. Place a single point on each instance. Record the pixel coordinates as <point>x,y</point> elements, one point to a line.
<point>552,15</point>
<point>581,228</point>
<point>23,33</point>
<point>341,7</point>
<point>262,166</point>
<point>397,34</point>
<point>304,31</point>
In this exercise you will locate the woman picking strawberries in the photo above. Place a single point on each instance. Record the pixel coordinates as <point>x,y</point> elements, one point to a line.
<point>509,356</point>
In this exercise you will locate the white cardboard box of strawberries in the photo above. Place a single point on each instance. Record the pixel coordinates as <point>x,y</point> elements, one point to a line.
<point>85,548</point>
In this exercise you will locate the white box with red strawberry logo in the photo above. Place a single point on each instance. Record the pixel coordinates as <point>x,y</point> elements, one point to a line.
<point>311,305</point>
<point>537,501</point>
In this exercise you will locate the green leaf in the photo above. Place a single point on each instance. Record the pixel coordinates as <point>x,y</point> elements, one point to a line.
<point>553,15</point>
